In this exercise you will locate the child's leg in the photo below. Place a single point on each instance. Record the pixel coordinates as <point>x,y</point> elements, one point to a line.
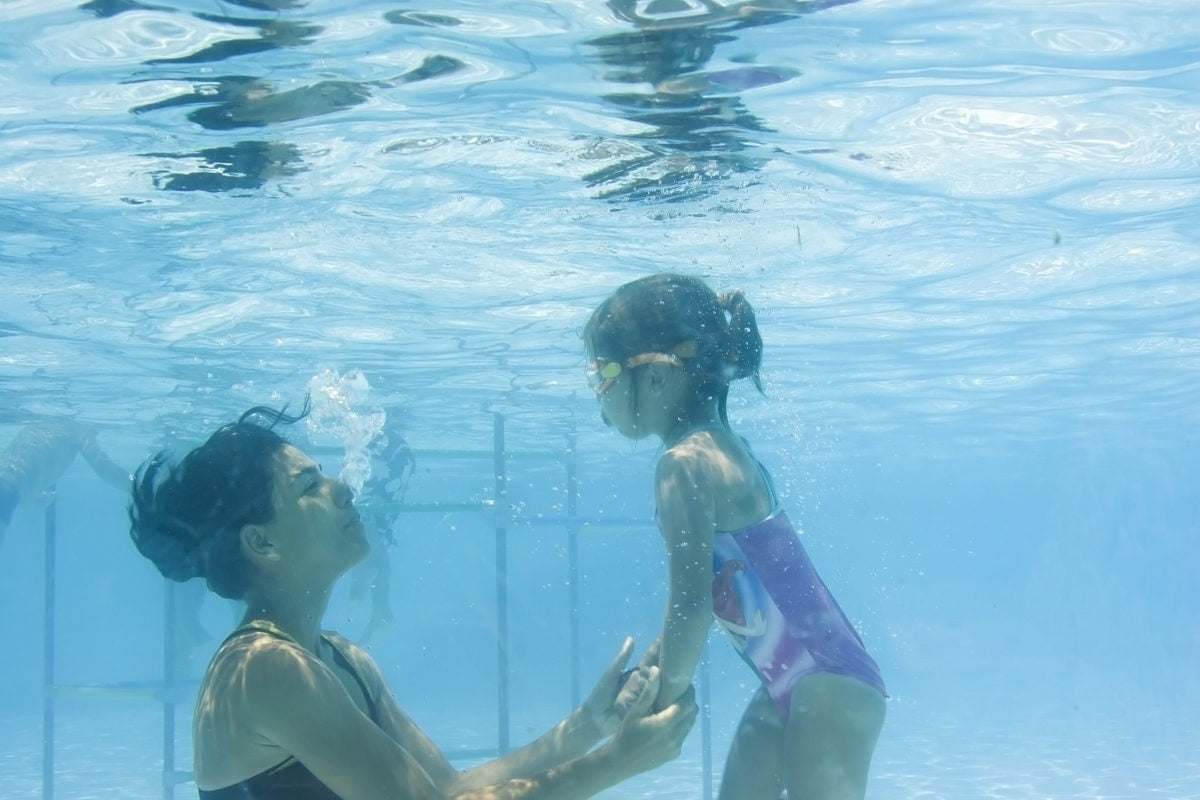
<point>831,734</point>
<point>754,768</point>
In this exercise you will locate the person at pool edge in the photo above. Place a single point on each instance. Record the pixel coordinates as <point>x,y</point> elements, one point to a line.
<point>39,454</point>
<point>662,352</point>
<point>285,710</point>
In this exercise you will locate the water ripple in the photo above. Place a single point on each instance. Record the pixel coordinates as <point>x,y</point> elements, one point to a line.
<point>935,206</point>
<point>1084,41</point>
<point>539,21</point>
<point>1130,196</point>
<point>133,38</point>
<point>1032,144</point>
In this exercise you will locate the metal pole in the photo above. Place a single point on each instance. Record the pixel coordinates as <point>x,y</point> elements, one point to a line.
<point>501,522</point>
<point>573,565</point>
<point>168,696</point>
<point>706,766</point>
<point>48,636</point>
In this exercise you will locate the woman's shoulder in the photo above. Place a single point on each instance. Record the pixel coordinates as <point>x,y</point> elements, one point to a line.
<point>358,657</point>
<point>263,675</point>
<point>256,655</point>
<point>347,647</point>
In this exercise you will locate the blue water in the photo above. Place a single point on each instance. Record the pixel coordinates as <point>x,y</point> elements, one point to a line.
<point>969,231</point>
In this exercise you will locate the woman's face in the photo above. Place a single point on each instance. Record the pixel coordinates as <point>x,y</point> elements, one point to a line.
<point>315,523</point>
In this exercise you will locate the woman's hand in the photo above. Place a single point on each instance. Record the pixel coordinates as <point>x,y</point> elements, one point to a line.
<point>650,657</point>
<point>646,740</point>
<point>608,702</point>
<point>618,688</point>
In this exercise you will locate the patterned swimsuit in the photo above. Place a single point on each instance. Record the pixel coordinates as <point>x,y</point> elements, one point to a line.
<point>780,615</point>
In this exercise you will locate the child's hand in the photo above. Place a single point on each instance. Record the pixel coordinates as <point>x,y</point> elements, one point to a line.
<point>618,689</point>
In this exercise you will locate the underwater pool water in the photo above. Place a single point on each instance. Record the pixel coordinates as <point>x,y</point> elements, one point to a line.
<point>104,747</point>
<point>968,231</point>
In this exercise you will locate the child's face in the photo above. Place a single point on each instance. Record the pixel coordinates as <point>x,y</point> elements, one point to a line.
<point>613,385</point>
<point>618,405</point>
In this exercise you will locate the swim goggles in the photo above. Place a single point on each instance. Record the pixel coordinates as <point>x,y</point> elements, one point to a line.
<point>602,373</point>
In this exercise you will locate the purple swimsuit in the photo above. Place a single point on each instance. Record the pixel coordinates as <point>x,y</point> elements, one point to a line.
<point>779,613</point>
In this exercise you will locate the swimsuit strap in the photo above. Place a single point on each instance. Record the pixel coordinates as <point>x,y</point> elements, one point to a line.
<point>344,660</point>
<point>767,479</point>
<point>263,626</point>
<point>762,470</point>
<point>713,426</point>
<point>271,629</point>
<point>766,476</point>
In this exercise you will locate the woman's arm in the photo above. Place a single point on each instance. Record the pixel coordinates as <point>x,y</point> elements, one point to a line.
<point>601,714</point>
<point>642,741</point>
<point>288,697</point>
<point>598,716</point>
<point>686,515</point>
<point>292,700</point>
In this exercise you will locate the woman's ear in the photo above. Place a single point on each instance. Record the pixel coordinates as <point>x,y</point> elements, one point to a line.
<point>258,544</point>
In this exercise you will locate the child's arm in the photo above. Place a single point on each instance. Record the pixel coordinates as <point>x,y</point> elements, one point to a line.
<point>686,514</point>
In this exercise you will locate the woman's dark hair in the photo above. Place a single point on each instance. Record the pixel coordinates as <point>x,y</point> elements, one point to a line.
<point>187,517</point>
<point>657,314</point>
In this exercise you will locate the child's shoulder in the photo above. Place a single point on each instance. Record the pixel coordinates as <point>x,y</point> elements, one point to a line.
<point>701,451</point>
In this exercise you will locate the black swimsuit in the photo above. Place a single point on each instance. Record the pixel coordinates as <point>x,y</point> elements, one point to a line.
<point>288,780</point>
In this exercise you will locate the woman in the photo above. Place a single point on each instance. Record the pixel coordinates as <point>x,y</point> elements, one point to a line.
<point>288,711</point>
<point>663,351</point>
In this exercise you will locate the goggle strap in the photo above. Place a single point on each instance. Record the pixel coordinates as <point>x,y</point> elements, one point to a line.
<point>678,352</point>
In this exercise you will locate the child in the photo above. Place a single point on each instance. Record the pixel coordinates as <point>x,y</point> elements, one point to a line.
<point>662,353</point>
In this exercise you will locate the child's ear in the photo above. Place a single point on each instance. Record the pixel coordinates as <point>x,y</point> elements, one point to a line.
<point>657,376</point>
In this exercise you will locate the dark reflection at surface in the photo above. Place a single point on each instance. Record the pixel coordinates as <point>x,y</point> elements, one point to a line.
<point>245,165</point>
<point>111,8</point>
<point>426,19</point>
<point>239,101</point>
<point>431,67</point>
<point>242,101</point>
<point>268,5</point>
<point>272,35</point>
<point>698,129</point>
